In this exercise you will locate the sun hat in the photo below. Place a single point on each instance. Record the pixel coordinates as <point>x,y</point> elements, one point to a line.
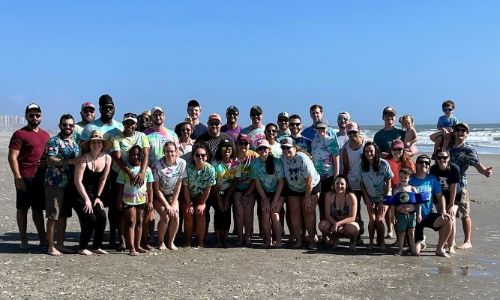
<point>95,136</point>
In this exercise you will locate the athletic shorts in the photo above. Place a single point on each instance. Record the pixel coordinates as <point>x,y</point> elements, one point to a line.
<point>34,196</point>
<point>429,223</point>
<point>405,221</point>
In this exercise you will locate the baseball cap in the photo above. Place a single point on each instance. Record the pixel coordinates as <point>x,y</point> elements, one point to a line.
<point>345,114</point>
<point>352,126</point>
<point>130,116</point>
<point>32,106</point>
<point>463,125</point>
<point>213,117</point>
<point>287,142</point>
<point>323,123</point>
<point>388,110</point>
<point>283,115</point>
<point>263,143</point>
<point>397,144</point>
<point>87,105</point>
<point>155,108</point>
<point>232,109</point>
<point>105,100</point>
<point>243,137</point>
<point>255,110</point>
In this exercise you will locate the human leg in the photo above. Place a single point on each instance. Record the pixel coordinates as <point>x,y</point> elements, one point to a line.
<point>100,226</point>
<point>310,220</point>
<point>239,215</point>
<point>248,219</point>
<point>129,215</point>
<point>295,210</point>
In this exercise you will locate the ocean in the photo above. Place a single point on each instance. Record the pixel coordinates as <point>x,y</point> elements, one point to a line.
<point>484,137</point>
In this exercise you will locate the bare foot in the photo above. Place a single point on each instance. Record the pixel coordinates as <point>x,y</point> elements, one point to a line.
<point>141,250</point>
<point>65,250</point>
<point>147,247</point>
<point>133,252</point>
<point>54,252</point>
<point>99,251</point>
<point>162,247</point>
<point>85,252</point>
<point>173,247</point>
<point>465,246</point>
<point>122,248</point>
<point>442,253</point>
<point>451,250</point>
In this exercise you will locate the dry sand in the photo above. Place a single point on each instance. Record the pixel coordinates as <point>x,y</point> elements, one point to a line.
<point>256,272</point>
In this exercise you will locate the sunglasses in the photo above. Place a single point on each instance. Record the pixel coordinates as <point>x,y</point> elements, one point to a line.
<point>285,148</point>
<point>107,107</point>
<point>442,157</point>
<point>447,109</point>
<point>294,124</point>
<point>66,125</point>
<point>261,149</point>
<point>31,116</point>
<point>424,162</point>
<point>283,120</point>
<point>242,143</point>
<point>216,124</point>
<point>352,132</point>
<point>342,119</point>
<point>227,148</point>
<point>187,129</point>
<point>88,111</point>
<point>198,155</point>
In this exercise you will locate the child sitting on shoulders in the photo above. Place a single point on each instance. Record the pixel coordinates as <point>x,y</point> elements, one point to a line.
<point>406,211</point>
<point>133,200</point>
<point>410,134</point>
<point>445,124</point>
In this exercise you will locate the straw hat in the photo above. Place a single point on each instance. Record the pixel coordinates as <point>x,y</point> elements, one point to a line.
<point>96,136</point>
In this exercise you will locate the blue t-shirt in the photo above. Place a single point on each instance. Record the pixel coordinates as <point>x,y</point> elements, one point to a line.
<point>444,122</point>
<point>427,186</point>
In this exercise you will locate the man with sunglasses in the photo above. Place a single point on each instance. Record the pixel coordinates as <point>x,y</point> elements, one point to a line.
<point>61,151</point>
<point>256,130</point>
<point>464,155</point>
<point>213,136</point>
<point>87,112</point>
<point>106,125</point>
<point>284,129</point>
<point>26,160</point>
<point>295,125</point>
<point>428,185</point>
<point>231,127</point>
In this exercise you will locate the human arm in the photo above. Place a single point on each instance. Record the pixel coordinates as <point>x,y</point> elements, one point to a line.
<point>486,171</point>
<point>345,160</point>
<point>14,166</point>
<point>276,203</point>
<point>139,178</point>
<point>117,158</point>
<point>328,207</point>
<point>200,207</point>
<point>453,194</point>
<point>119,196</point>
<point>336,165</point>
<point>308,204</point>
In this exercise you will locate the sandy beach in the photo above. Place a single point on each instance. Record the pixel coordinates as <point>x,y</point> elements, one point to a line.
<point>254,272</point>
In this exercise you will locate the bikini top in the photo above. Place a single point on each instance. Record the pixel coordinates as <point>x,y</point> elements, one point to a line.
<point>406,198</point>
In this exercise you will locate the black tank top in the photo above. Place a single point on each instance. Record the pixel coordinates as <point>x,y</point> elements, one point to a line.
<point>91,181</point>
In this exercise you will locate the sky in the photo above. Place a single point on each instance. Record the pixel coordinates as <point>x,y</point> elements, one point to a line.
<point>355,56</point>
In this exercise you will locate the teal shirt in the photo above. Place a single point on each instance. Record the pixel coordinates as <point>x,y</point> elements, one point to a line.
<point>198,180</point>
<point>269,182</point>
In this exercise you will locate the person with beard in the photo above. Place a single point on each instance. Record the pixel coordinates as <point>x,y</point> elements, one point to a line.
<point>87,112</point>
<point>26,149</point>
<point>255,131</point>
<point>157,135</point>
<point>211,139</point>
<point>144,121</point>
<point>284,130</point>
<point>61,151</point>
<point>231,127</point>
<point>109,128</point>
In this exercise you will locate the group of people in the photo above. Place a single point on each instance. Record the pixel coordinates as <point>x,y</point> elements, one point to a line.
<point>138,168</point>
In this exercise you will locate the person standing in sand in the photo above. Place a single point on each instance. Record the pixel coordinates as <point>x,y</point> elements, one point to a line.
<point>26,149</point>
<point>385,136</point>
<point>61,151</point>
<point>464,155</point>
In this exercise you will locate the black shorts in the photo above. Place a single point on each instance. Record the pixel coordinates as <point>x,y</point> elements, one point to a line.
<point>316,189</point>
<point>429,223</point>
<point>34,196</point>
<point>139,206</point>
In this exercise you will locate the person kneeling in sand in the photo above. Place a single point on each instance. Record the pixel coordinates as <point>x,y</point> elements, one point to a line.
<point>341,207</point>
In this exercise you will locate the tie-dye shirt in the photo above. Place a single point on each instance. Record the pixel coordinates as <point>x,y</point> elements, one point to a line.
<point>157,140</point>
<point>134,195</point>
<point>198,180</point>
<point>167,176</point>
<point>269,182</point>
<point>225,174</point>
<point>323,151</point>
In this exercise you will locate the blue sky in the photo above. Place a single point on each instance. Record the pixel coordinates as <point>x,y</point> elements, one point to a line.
<point>358,56</point>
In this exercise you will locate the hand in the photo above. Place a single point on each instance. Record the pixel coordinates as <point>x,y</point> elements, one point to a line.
<point>99,202</point>
<point>171,211</point>
<point>488,171</point>
<point>190,210</point>
<point>139,179</point>
<point>450,211</point>
<point>88,207</point>
<point>308,205</point>
<point>393,220</point>
<point>200,209</point>
<point>274,206</point>
<point>419,218</point>
<point>20,185</point>
<point>149,207</point>
<point>445,216</point>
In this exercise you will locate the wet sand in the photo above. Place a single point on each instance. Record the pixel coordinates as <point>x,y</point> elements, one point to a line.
<point>254,272</point>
